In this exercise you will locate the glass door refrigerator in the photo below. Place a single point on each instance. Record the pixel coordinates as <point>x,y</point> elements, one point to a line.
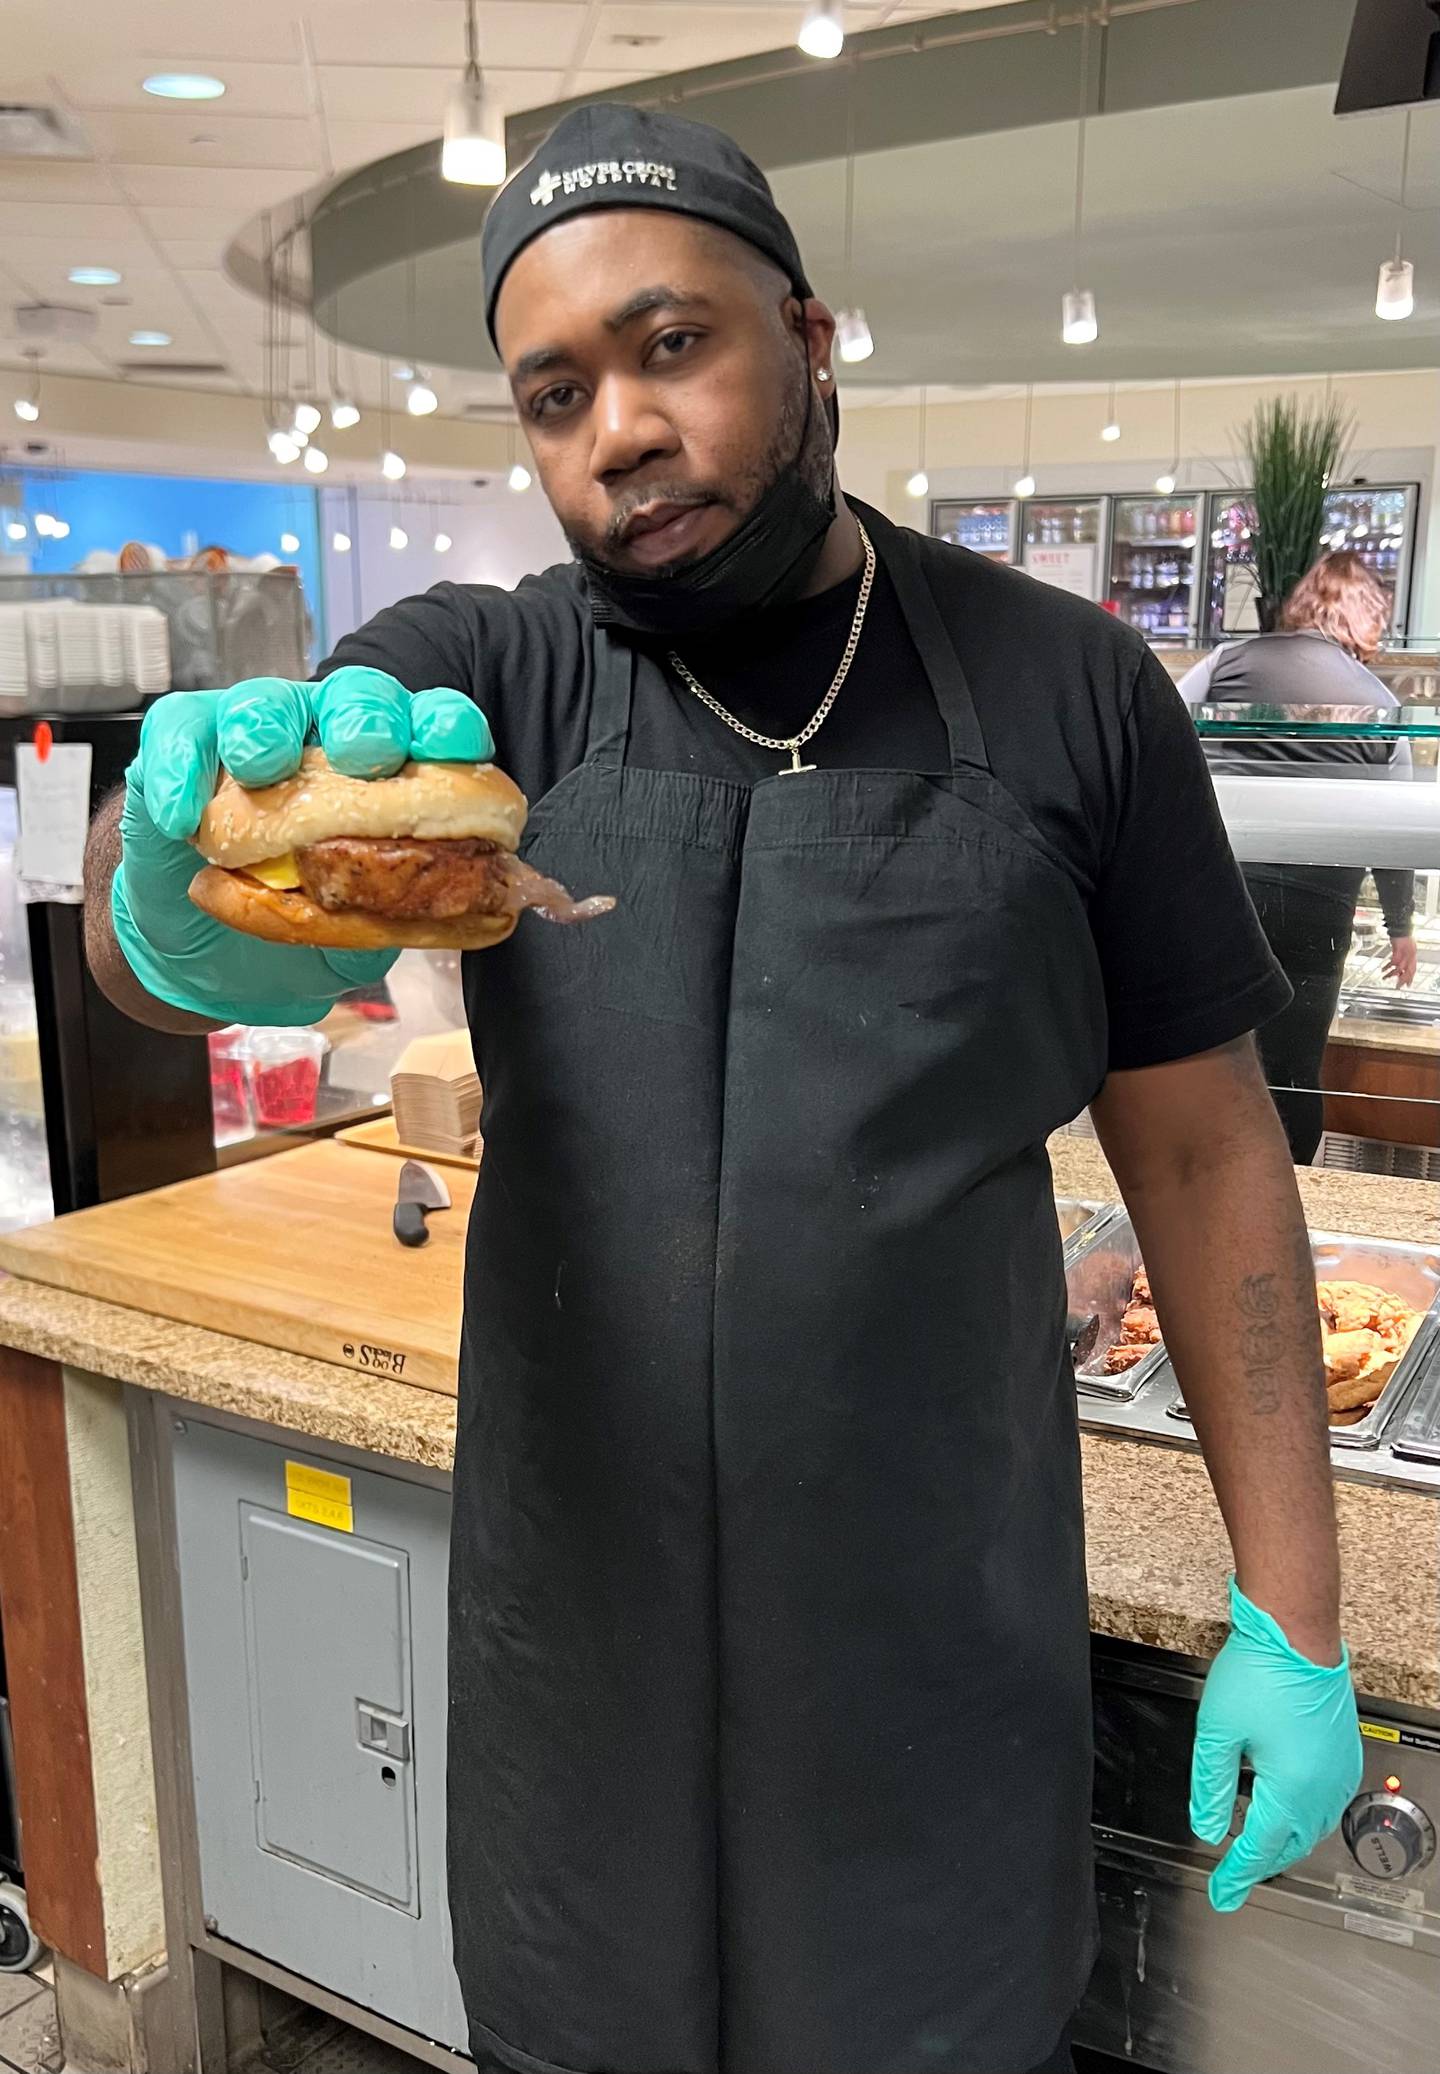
<point>1377,521</point>
<point>986,528</point>
<point>1154,566</point>
<point>1064,543</point>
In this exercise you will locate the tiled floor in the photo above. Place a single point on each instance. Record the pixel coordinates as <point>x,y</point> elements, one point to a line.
<point>29,2042</point>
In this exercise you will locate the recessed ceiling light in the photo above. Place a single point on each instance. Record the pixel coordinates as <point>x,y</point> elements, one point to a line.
<point>94,277</point>
<point>184,86</point>
<point>150,338</point>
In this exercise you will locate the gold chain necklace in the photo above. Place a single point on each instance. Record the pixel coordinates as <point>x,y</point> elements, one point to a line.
<point>795,743</point>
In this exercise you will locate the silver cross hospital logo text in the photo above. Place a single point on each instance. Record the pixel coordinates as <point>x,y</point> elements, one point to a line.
<point>605,172</point>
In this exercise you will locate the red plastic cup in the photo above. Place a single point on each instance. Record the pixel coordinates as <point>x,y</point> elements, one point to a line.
<point>285,1075</point>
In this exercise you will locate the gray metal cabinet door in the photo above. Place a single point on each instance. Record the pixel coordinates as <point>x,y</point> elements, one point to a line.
<point>327,1636</point>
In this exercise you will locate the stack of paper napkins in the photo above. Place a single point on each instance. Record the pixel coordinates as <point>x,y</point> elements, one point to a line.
<point>436,1095</point>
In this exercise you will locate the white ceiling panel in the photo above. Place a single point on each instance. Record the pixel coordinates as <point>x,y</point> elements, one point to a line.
<point>86,223</point>
<point>418,94</point>
<point>432,32</point>
<point>356,143</point>
<point>156,140</point>
<point>174,220</point>
<point>276,88</point>
<point>52,180</point>
<point>673,37</point>
<point>237,192</point>
<point>188,253</point>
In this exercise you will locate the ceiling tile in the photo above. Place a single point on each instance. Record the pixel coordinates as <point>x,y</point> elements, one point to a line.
<point>174,220</point>
<point>155,140</point>
<point>39,180</point>
<point>190,253</point>
<point>356,143</point>
<point>672,39</point>
<point>85,223</point>
<point>417,94</point>
<point>240,191</point>
<point>431,32</point>
<point>250,89</point>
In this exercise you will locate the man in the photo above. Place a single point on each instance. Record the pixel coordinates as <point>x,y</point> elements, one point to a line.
<point>769,1668</point>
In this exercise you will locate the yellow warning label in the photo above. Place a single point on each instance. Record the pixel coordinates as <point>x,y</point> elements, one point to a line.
<point>1379,1733</point>
<point>320,1496</point>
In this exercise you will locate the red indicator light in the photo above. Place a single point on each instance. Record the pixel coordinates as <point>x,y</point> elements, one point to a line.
<point>44,741</point>
<point>1392,1784</point>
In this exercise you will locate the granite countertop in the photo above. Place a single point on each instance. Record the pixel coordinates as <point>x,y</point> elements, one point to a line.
<point>1385,1036</point>
<point>1158,1556</point>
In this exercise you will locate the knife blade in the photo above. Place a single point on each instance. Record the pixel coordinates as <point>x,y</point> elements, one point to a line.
<point>421,1190</point>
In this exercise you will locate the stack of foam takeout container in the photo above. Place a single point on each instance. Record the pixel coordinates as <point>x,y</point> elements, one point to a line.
<point>436,1095</point>
<point>61,656</point>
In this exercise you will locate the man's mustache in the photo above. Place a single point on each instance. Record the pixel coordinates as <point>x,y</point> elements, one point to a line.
<point>657,493</point>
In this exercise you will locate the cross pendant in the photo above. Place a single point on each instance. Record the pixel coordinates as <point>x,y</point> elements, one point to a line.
<point>795,763</point>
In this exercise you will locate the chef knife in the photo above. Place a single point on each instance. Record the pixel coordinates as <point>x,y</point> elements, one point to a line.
<point>421,1190</point>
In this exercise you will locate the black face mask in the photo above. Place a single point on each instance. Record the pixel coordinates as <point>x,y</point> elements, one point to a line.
<point>766,561</point>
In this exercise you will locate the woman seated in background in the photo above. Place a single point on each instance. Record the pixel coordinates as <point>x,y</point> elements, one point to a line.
<point>1330,628</point>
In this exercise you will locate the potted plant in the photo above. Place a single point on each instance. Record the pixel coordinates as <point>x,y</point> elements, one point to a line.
<point>1293,454</point>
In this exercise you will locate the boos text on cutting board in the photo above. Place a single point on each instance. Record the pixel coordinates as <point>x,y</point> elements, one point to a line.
<point>382,1360</point>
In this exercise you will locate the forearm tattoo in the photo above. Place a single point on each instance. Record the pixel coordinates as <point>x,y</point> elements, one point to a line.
<point>1262,1341</point>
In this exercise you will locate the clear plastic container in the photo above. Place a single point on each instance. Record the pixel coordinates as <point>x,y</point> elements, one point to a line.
<point>230,1083</point>
<point>284,1072</point>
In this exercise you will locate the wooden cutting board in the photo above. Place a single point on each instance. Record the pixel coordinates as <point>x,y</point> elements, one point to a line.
<point>381,1136</point>
<point>294,1251</point>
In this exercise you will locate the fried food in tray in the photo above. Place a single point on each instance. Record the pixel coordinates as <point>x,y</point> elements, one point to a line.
<point>1365,1331</point>
<point>1139,1328</point>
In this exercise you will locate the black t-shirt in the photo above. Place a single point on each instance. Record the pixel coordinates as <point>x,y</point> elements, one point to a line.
<point>1081,724</point>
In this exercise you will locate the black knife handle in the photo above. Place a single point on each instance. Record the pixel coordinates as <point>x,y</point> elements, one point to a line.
<point>410,1226</point>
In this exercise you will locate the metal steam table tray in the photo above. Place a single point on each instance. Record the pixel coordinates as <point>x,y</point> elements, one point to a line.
<point>1408,1271</point>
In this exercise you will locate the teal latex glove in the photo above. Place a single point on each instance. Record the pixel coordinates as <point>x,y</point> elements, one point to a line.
<point>367,724</point>
<point>1295,1723</point>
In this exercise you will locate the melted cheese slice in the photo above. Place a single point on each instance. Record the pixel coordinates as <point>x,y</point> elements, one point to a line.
<point>279,872</point>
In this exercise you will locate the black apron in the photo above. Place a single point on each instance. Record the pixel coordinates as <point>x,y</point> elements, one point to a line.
<point>769,1668</point>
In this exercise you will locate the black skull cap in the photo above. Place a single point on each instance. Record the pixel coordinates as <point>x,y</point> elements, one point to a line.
<point>609,155</point>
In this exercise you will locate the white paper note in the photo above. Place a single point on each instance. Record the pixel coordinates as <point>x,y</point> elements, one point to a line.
<point>54,803</point>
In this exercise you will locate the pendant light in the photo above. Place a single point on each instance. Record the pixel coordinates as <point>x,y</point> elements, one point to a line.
<point>420,399</point>
<point>316,460</point>
<point>392,464</point>
<point>919,483</point>
<point>344,411</point>
<point>853,338</point>
<point>399,538</point>
<point>822,32</point>
<point>1110,430</point>
<point>307,418</point>
<point>519,478</point>
<point>289,543</point>
<point>473,152</point>
<point>340,542</point>
<point>443,543</point>
<point>1024,485</point>
<point>1395,291</point>
<point>27,407</point>
<point>1079,324</point>
<point>1165,484</point>
<point>283,447</point>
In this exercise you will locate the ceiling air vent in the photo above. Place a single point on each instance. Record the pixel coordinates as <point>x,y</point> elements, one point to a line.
<point>196,370</point>
<point>29,132</point>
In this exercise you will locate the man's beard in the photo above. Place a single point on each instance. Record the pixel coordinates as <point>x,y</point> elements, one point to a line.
<point>801,440</point>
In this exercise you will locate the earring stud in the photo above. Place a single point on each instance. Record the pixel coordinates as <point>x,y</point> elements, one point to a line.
<point>823,375</point>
